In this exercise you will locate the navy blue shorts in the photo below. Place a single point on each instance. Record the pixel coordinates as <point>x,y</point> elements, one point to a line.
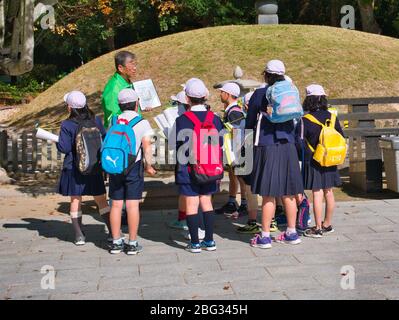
<point>129,187</point>
<point>192,190</point>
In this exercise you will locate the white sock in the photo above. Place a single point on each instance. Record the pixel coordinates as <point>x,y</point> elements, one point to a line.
<point>118,241</point>
<point>265,234</point>
<point>104,210</point>
<point>133,243</point>
<point>75,214</point>
<point>291,230</point>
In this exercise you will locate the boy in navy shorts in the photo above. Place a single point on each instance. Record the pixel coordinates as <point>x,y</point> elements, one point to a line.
<point>129,187</point>
<point>196,194</point>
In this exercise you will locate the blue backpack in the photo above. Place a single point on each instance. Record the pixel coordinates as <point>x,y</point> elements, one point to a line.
<point>118,153</point>
<point>283,96</point>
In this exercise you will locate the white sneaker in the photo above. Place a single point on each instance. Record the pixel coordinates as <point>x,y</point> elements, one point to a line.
<point>201,234</point>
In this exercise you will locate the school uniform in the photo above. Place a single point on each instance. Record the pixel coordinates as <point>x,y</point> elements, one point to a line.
<point>315,176</point>
<point>182,177</point>
<point>72,182</point>
<point>276,170</point>
<point>131,185</point>
<point>234,116</point>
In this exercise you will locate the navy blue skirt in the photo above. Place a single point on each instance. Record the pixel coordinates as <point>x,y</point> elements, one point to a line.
<point>276,171</point>
<point>73,183</point>
<point>317,177</point>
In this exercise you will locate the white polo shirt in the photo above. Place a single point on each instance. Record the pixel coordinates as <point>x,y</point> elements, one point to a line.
<point>141,130</point>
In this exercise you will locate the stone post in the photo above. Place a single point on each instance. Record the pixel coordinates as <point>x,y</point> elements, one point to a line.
<point>267,12</point>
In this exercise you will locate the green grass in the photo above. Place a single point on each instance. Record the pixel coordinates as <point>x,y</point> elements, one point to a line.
<point>348,63</point>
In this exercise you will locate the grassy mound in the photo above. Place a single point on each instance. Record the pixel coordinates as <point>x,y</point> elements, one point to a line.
<point>348,63</point>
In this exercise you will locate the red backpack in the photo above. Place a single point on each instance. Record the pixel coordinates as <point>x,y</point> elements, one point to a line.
<point>208,163</point>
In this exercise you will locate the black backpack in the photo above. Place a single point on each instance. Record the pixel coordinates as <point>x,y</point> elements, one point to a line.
<point>88,147</point>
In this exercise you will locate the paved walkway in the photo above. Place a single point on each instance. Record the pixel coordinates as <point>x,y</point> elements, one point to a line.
<point>366,238</point>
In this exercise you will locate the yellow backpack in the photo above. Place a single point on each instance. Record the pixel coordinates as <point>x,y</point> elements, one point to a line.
<point>331,150</point>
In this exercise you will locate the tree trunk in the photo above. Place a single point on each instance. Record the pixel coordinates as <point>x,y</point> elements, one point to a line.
<point>369,24</point>
<point>111,39</point>
<point>305,4</point>
<point>335,12</point>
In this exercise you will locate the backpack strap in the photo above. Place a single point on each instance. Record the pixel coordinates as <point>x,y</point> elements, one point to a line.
<point>209,117</point>
<point>236,109</point>
<point>193,118</point>
<point>114,120</point>
<point>332,120</point>
<point>313,119</point>
<point>135,121</point>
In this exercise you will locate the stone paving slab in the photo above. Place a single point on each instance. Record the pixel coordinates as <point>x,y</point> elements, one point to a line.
<point>366,238</point>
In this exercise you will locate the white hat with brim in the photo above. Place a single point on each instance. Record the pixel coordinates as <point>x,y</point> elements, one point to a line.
<point>275,67</point>
<point>231,88</point>
<point>75,99</point>
<point>127,96</point>
<point>315,90</point>
<point>195,88</point>
<point>180,97</point>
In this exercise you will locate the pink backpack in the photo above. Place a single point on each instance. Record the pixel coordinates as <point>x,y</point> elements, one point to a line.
<point>208,161</point>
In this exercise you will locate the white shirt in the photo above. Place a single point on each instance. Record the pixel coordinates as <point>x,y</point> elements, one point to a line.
<point>172,131</point>
<point>141,130</point>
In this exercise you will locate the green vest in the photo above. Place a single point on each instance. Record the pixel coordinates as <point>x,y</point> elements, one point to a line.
<point>109,99</point>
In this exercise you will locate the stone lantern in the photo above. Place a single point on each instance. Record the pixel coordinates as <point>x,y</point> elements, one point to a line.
<point>246,85</point>
<point>267,12</point>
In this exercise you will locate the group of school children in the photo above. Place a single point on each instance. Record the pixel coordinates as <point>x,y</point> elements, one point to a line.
<point>277,176</point>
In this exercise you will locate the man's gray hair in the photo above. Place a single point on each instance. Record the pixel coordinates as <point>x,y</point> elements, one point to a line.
<point>122,56</point>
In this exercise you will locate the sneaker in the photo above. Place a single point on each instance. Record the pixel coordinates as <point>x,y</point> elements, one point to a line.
<point>241,212</point>
<point>273,226</point>
<point>289,239</point>
<point>261,242</point>
<point>201,235</point>
<point>193,248</point>
<point>313,233</point>
<point>116,248</point>
<point>110,239</point>
<point>131,249</point>
<point>228,208</point>
<point>327,230</point>
<point>249,229</point>
<point>179,225</point>
<point>80,241</point>
<point>281,220</point>
<point>208,245</point>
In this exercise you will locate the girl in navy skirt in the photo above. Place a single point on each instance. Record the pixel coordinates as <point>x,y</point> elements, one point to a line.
<point>72,183</point>
<point>276,172</point>
<point>321,180</point>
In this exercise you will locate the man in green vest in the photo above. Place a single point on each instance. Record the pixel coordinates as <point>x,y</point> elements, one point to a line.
<point>126,67</point>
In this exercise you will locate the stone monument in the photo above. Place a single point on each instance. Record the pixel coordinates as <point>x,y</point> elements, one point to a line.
<point>246,85</point>
<point>267,12</point>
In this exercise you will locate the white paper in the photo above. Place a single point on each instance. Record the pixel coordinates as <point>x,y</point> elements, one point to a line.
<point>45,135</point>
<point>147,93</point>
<point>162,123</point>
<point>171,115</point>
